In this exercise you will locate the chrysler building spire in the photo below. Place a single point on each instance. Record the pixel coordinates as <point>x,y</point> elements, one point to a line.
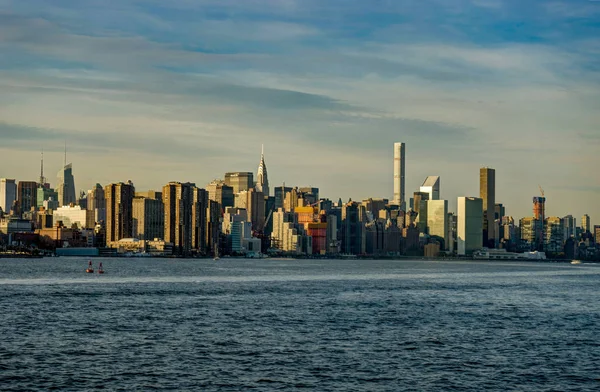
<point>262,181</point>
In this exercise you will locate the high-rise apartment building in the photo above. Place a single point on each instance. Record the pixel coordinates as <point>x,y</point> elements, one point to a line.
<point>239,181</point>
<point>585,223</point>
<point>437,220</point>
<point>469,225</point>
<point>66,186</point>
<point>148,218</point>
<point>399,175</point>
<point>262,180</point>
<point>487,192</point>
<point>185,208</point>
<point>119,211</point>
<point>178,201</point>
<point>597,234</point>
<point>431,185</point>
<point>8,194</point>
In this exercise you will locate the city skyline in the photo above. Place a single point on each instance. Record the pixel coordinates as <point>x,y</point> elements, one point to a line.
<point>452,200</point>
<point>188,91</point>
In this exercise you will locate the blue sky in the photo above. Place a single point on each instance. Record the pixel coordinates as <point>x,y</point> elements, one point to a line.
<point>186,90</point>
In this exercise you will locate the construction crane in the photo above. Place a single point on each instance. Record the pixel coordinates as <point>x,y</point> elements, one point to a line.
<point>541,190</point>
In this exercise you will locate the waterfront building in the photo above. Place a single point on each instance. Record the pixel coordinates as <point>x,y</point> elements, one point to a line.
<point>239,181</point>
<point>469,225</point>
<point>74,215</point>
<point>553,235</point>
<point>399,176</point>
<point>119,211</point>
<point>66,186</point>
<point>148,217</point>
<point>178,200</point>
<point>431,186</point>
<point>487,192</point>
<point>262,179</point>
<point>597,234</point>
<point>8,194</point>
<point>529,232</point>
<point>437,220</point>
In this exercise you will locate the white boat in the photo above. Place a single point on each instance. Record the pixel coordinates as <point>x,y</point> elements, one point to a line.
<point>575,261</point>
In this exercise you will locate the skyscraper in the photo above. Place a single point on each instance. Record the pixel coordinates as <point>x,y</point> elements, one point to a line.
<point>26,196</point>
<point>469,225</point>
<point>148,218</point>
<point>239,181</point>
<point>185,222</point>
<point>221,193</point>
<point>437,220</point>
<point>8,194</point>
<point>262,180</point>
<point>96,202</point>
<point>66,186</point>
<point>119,211</point>
<point>487,192</point>
<point>399,173</point>
<point>585,223</point>
<point>431,185</point>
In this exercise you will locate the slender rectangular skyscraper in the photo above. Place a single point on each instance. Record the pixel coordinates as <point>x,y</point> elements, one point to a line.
<point>487,191</point>
<point>8,194</point>
<point>399,171</point>
<point>469,225</point>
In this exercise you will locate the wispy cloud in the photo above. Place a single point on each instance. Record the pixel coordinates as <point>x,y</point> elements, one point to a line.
<point>196,86</point>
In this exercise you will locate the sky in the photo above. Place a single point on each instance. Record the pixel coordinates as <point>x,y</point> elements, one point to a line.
<point>185,90</point>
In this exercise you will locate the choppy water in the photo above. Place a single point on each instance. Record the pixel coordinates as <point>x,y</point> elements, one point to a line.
<point>284,325</point>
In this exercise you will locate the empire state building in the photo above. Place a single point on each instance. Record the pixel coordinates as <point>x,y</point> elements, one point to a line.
<point>262,181</point>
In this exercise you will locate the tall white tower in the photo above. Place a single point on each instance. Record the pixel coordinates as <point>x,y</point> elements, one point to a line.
<point>399,170</point>
<point>262,180</point>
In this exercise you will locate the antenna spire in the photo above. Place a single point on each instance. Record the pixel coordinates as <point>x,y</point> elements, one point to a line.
<point>42,179</point>
<point>262,149</point>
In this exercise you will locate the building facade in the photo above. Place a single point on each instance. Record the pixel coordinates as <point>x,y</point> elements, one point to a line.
<point>437,220</point>
<point>8,194</point>
<point>469,225</point>
<point>487,192</point>
<point>148,218</point>
<point>66,186</point>
<point>399,175</point>
<point>119,211</point>
<point>239,181</point>
<point>431,185</point>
